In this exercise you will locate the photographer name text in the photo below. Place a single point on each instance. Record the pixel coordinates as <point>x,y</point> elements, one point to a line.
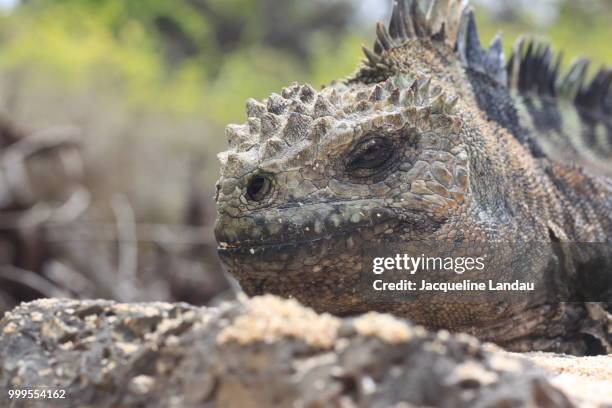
<point>410,265</point>
<point>465,285</point>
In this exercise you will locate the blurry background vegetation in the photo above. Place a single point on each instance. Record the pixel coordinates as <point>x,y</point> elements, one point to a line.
<point>152,83</point>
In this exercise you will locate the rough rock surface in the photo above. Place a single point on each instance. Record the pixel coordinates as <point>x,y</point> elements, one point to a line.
<point>260,352</point>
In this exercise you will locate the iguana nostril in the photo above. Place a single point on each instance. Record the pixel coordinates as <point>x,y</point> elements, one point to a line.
<point>259,188</point>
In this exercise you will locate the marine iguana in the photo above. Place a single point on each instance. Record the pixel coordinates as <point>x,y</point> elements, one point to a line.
<point>436,139</point>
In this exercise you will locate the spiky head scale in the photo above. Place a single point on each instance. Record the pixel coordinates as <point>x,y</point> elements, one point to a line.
<point>449,23</point>
<point>286,130</point>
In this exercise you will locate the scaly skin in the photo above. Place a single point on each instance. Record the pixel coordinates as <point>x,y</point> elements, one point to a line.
<point>405,152</point>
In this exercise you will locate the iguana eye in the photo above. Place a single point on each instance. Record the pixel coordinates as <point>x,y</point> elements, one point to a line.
<point>259,188</point>
<point>369,157</point>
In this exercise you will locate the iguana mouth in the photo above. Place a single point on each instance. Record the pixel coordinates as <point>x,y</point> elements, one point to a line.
<point>282,241</point>
<point>280,229</point>
<point>229,249</point>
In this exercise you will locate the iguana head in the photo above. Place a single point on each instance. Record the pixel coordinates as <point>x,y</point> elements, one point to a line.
<point>314,177</point>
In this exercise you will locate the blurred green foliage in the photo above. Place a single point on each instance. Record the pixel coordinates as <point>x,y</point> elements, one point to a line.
<point>581,29</point>
<point>204,58</point>
<point>168,55</point>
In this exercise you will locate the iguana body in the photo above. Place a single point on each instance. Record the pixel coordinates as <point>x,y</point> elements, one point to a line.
<point>433,139</point>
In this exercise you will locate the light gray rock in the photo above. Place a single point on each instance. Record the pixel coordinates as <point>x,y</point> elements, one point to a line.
<point>260,352</point>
